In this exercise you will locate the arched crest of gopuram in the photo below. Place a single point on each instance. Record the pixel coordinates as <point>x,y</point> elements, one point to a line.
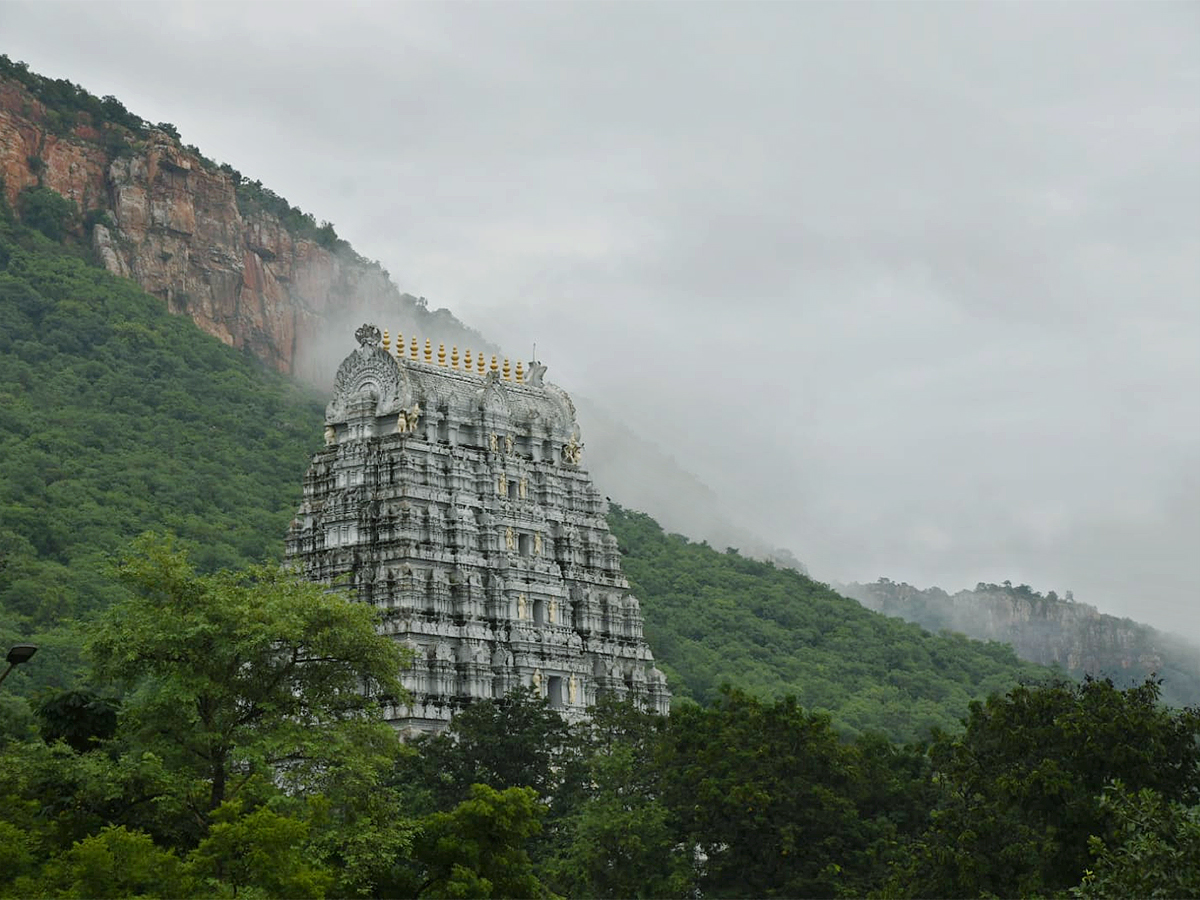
<point>368,373</point>
<point>452,495</point>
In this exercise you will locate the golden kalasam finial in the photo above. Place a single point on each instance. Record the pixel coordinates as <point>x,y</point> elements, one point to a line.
<point>520,372</point>
<point>441,355</point>
<point>480,364</point>
<point>428,352</point>
<point>413,348</point>
<point>507,370</point>
<point>454,358</point>
<point>400,345</point>
<point>495,367</point>
<point>387,342</point>
<point>467,361</point>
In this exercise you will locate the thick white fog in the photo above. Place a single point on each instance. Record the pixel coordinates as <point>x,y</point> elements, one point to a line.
<point>915,288</point>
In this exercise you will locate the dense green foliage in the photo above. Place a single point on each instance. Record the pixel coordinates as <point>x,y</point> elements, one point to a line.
<point>65,101</point>
<point>1021,786</point>
<point>116,418</point>
<point>242,676</point>
<point>47,211</point>
<point>737,799</point>
<point>245,754</point>
<point>713,618</point>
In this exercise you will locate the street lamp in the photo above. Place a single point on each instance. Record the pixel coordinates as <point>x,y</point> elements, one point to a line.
<point>17,655</point>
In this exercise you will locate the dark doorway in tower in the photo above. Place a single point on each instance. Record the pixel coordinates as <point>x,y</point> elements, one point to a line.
<point>539,612</point>
<point>554,691</point>
<point>525,544</point>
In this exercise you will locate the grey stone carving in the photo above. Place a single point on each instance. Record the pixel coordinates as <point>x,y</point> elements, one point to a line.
<point>455,503</point>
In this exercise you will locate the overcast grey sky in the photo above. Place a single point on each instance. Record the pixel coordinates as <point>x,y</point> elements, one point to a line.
<point>916,285</point>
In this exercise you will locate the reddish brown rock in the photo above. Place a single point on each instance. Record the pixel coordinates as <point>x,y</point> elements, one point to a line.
<point>174,226</point>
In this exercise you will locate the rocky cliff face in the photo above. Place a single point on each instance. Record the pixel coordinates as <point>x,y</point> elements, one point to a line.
<point>164,216</point>
<point>1046,629</point>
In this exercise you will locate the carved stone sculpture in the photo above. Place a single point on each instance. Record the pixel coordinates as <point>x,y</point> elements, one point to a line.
<point>572,451</point>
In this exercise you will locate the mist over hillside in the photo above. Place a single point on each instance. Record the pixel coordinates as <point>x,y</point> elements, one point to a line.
<point>1047,629</point>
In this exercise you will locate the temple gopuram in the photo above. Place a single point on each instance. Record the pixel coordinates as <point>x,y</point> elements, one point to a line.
<point>450,494</point>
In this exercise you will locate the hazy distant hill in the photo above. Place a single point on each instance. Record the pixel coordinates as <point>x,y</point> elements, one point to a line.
<point>1047,629</point>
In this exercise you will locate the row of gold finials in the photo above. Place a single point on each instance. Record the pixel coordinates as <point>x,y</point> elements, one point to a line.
<point>480,365</point>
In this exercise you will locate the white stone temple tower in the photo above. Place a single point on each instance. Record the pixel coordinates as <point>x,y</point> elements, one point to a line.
<point>452,497</point>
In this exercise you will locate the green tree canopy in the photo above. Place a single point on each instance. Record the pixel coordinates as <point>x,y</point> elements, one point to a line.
<point>237,675</point>
<point>1019,789</point>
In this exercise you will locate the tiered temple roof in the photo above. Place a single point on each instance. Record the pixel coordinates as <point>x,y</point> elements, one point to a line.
<point>454,500</point>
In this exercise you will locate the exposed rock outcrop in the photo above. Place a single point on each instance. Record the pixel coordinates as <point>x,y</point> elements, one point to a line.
<point>1046,629</point>
<point>165,216</point>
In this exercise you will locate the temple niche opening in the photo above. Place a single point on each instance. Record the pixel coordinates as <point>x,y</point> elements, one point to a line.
<point>455,501</point>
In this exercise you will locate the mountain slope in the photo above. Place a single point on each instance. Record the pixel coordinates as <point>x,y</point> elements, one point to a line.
<point>118,417</point>
<point>715,617</point>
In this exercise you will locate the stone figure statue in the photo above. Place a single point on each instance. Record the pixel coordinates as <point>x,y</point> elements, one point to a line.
<point>493,445</point>
<point>537,680</point>
<point>509,540</point>
<point>503,486</point>
<point>572,450</point>
<point>406,420</point>
<point>330,435</point>
<point>537,543</point>
<point>552,610</point>
<point>508,444</point>
<point>573,690</point>
<point>521,488</point>
<point>537,372</point>
<point>522,607</point>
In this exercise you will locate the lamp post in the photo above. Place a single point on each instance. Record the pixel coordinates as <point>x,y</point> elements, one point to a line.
<point>17,655</point>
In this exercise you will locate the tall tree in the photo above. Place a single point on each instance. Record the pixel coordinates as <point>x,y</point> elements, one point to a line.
<point>769,794</point>
<point>1020,788</point>
<point>237,675</point>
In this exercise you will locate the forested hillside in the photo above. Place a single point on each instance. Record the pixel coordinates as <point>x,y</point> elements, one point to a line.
<point>117,417</point>
<point>714,617</point>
